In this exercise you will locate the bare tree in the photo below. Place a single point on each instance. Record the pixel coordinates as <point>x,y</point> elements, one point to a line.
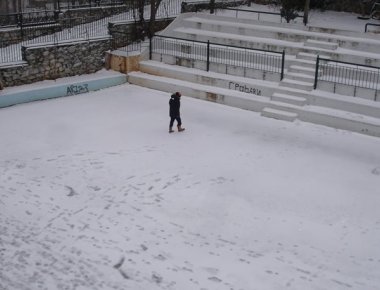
<point>306,12</point>
<point>147,27</point>
<point>290,9</point>
<point>154,5</point>
<point>212,6</point>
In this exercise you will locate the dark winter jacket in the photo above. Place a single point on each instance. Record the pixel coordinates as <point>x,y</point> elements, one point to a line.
<point>174,104</point>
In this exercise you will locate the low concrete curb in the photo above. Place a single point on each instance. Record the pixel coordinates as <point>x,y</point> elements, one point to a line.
<point>61,88</point>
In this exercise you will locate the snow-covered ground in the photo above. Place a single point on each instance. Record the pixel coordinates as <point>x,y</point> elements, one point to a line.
<point>96,194</point>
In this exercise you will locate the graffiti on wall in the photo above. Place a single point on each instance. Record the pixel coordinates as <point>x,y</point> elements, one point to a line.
<point>76,89</point>
<point>244,88</point>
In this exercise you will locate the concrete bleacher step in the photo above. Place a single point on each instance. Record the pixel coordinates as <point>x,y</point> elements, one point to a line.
<point>278,114</point>
<point>253,28</point>
<point>301,69</point>
<point>300,77</point>
<point>310,56</point>
<point>307,86</point>
<point>62,87</point>
<point>285,98</point>
<point>203,77</point>
<point>223,24</point>
<point>321,44</point>
<point>303,62</point>
<point>292,39</point>
<point>212,93</point>
<point>281,31</point>
<point>236,39</point>
<point>341,119</point>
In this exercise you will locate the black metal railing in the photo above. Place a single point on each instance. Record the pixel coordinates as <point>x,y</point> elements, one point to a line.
<point>346,73</point>
<point>8,19</point>
<point>29,18</point>
<point>237,10</point>
<point>70,28</point>
<point>61,4</point>
<point>234,56</point>
<point>259,13</point>
<point>126,42</point>
<point>370,24</point>
<point>41,27</point>
<point>125,10</point>
<point>10,50</point>
<point>220,6</point>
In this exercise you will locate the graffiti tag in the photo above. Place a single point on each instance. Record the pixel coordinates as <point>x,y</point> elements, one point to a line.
<point>77,89</point>
<point>244,88</point>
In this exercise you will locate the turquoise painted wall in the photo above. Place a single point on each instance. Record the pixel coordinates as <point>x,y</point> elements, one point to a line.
<point>60,90</point>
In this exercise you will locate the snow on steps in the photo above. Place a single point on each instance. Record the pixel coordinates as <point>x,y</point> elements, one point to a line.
<point>310,56</point>
<point>301,69</point>
<point>229,38</point>
<point>286,98</point>
<point>303,62</point>
<point>307,86</point>
<point>313,114</point>
<point>321,44</point>
<point>194,75</point>
<point>278,114</point>
<point>210,93</point>
<point>260,34</point>
<point>300,77</point>
<point>277,30</point>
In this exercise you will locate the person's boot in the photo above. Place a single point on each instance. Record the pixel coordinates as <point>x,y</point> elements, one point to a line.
<point>171,130</point>
<point>180,129</point>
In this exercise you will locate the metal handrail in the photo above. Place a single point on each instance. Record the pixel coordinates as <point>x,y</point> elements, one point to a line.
<point>370,24</point>
<point>214,43</point>
<point>254,11</point>
<point>358,75</point>
<point>207,45</point>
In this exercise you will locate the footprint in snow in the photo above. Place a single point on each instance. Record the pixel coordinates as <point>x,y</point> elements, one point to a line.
<point>376,171</point>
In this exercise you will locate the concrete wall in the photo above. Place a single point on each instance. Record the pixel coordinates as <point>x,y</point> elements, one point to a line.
<point>345,90</point>
<point>14,35</point>
<point>68,88</point>
<point>122,63</point>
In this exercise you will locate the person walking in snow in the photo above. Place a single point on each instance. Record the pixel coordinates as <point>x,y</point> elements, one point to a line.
<point>174,112</point>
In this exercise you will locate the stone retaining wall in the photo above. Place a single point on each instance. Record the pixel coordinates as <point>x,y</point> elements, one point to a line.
<point>92,14</point>
<point>41,62</point>
<point>56,61</point>
<point>15,34</point>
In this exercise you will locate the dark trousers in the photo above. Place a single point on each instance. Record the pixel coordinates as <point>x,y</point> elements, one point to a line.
<point>179,122</point>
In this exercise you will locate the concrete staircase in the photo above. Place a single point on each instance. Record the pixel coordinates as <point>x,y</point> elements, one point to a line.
<point>291,98</point>
<point>300,75</point>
